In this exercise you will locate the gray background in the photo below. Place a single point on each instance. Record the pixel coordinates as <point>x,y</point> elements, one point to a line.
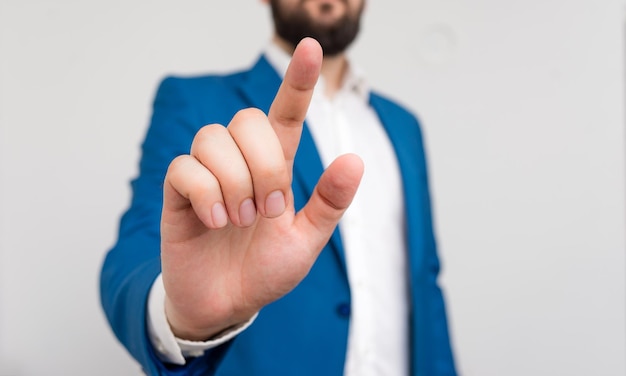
<point>522,104</point>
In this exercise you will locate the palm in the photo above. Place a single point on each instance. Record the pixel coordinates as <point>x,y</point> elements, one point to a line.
<point>252,255</point>
<point>218,274</point>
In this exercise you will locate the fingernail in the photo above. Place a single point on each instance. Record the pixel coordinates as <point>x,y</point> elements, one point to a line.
<point>274,204</point>
<point>220,218</point>
<point>247,212</point>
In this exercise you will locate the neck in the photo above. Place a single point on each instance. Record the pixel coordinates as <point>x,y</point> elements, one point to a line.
<point>334,68</point>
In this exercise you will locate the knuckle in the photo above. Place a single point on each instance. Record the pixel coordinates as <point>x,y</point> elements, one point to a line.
<point>248,115</point>
<point>178,166</point>
<point>244,119</point>
<point>207,133</point>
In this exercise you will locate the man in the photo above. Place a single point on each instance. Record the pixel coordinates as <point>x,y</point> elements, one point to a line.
<point>253,275</point>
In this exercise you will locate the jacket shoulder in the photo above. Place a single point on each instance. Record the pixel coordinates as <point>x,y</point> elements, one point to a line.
<point>204,99</point>
<point>200,86</point>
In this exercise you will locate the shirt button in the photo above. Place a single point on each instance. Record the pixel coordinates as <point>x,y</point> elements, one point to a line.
<point>343,310</point>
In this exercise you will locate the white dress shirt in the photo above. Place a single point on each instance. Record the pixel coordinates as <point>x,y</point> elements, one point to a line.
<point>372,230</point>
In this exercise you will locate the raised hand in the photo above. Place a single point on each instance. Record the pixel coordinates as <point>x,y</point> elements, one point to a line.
<point>231,240</point>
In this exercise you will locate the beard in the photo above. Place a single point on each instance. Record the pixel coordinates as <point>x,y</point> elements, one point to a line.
<point>334,38</point>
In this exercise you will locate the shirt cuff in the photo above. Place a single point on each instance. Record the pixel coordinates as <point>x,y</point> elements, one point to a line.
<point>169,348</point>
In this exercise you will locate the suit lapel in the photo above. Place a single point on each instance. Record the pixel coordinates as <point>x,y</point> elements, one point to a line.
<point>306,172</point>
<point>408,148</point>
<point>260,84</point>
<point>259,88</point>
<point>400,139</point>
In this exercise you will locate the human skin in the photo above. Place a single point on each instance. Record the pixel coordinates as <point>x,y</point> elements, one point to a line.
<point>320,17</point>
<point>231,241</point>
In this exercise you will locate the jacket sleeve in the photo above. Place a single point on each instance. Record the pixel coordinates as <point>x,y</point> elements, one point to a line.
<point>132,265</point>
<point>432,343</point>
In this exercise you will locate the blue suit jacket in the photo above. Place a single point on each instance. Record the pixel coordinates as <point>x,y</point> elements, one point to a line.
<point>305,332</point>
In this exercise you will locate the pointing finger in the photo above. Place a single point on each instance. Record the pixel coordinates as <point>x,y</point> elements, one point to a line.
<point>291,103</point>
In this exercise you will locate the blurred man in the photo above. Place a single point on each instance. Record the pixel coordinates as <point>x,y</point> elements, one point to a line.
<point>230,261</point>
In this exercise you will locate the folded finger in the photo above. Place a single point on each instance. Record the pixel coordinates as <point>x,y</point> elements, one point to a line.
<point>189,183</point>
<point>264,157</point>
<point>216,150</point>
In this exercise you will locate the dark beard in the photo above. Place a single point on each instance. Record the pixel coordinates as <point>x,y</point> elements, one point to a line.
<point>334,39</point>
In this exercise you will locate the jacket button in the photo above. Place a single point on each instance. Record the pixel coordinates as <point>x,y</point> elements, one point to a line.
<point>343,310</point>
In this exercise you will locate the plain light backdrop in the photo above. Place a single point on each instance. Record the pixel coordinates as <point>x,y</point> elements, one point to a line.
<point>522,104</point>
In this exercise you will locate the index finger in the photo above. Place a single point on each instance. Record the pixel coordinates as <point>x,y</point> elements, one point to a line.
<point>291,103</point>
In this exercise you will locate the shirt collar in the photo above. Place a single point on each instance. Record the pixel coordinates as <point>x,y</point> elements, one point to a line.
<point>354,83</point>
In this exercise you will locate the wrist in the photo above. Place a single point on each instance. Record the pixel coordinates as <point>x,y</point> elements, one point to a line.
<point>199,330</point>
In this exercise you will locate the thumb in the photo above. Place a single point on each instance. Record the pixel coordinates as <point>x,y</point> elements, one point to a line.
<point>330,199</point>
